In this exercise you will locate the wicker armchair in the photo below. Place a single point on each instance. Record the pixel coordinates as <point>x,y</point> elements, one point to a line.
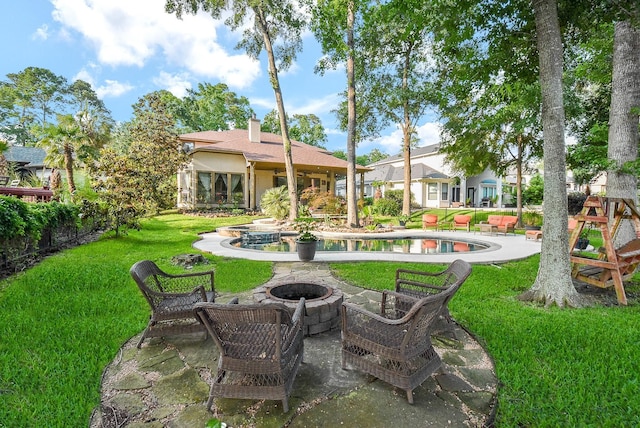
<point>171,298</point>
<point>260,346</point>
<point>395,345</point>
<point>420,284</point>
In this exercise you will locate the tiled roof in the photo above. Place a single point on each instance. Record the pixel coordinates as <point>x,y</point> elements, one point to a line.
<point>268,150</point>
<point>31,156</point>
<point>415,152</point>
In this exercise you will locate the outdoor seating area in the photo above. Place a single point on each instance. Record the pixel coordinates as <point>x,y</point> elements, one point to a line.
<point>256,350</point>
<point>499,224</point>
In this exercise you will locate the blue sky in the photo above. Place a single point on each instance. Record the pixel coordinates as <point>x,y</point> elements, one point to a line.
<point>128,48</point>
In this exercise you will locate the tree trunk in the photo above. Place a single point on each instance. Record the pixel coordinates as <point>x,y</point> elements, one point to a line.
<point>284,129</point>
<point>623,119</point>
<point>68,166</point>
<point>407,132</point>
<point>520,155</point>
<point>352,202</point>
<point>553,283</point>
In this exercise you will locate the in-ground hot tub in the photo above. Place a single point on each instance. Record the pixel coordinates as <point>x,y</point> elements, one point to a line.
<point>322,303</point>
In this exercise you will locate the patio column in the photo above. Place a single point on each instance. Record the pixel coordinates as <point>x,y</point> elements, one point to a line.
<point>362,185</point>
<point>252,186</point>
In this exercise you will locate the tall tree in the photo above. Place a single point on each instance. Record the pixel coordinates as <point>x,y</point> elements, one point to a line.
<point>489,89</point>
<point>337,25</point>
<point>61,141</point>
<point>213,107</point>
<point>395,73</point>
<point>154,151</point>
<point>276,28</point>
<point>37,95</point>
<point>553,283</point>
<point>306,128</point>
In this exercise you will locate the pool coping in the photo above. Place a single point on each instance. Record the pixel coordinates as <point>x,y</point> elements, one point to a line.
<point>503,248</point>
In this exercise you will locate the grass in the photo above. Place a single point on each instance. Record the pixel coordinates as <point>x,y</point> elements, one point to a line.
<point>63,321</point>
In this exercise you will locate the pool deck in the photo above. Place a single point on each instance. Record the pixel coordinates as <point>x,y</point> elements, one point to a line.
<point>503,248</point>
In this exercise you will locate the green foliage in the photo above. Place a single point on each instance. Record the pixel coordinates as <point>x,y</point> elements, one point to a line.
<point>26,219</point>
<point>305,226</point>
<point>306,128</point>
<point>534,192</point>
<point>211,107</point>
<point>387,207</point>
<point>532,218</point>
<point>275,202</point>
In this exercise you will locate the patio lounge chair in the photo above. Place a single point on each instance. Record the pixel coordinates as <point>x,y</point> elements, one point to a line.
<point>260,346</point>
<point>421,284</point>
<point>461,221</point>
<point>394,345</point>
<point>430,220</point>
<point>171,298</point>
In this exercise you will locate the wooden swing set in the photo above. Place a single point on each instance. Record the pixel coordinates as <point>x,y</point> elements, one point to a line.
<point>612,266</point>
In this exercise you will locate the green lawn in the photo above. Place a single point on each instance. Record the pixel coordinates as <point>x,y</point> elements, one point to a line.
<point>63,321</point>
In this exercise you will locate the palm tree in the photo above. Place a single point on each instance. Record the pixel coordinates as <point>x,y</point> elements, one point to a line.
<point>61,141</point>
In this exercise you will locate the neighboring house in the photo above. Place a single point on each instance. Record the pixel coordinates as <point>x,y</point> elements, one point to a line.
<point>27,161</point>
<point>235,167</point>
<point>433,184</point>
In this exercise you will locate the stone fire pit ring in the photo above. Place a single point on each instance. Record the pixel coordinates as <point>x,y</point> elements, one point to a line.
<point>322,303</point>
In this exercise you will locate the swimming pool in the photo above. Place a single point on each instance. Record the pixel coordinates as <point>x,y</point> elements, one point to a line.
<point>406,245</point>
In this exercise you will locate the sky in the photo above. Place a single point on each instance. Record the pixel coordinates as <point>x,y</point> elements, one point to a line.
<point>128,48</point>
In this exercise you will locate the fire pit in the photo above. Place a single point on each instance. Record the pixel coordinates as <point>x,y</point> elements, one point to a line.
<point>322,303</point>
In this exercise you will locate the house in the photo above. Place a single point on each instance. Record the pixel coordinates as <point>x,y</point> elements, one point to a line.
<point>235,167</point>
<point>433,184</point>
<point>27,162</point>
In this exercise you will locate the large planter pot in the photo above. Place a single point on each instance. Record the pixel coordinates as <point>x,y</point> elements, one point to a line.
<point>306,250</point>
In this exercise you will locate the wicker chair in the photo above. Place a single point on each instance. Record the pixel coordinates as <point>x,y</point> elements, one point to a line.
<point>171,298</point>
<point>260,346</point>
<point>421,284</point>
<point>395,345</point>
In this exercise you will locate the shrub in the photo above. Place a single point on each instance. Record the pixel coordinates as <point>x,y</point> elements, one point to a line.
<point>275,202</point>
<point>387,207</point>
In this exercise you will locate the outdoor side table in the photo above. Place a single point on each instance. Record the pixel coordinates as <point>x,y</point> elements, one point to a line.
<point>492,229</point>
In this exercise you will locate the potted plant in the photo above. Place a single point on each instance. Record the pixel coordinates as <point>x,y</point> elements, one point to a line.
<point>306,241</point>
<point>583,239</point>
<point>403,219</point>
<point>532,220</point>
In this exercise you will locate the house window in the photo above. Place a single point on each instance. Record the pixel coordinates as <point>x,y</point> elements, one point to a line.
<point>488,192</point>
<point>444,192</point>
<point>203,191</point>
<point>220,188</point>
<point>432,191</point>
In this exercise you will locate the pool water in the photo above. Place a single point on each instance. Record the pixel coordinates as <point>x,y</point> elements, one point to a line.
<point>404,245</point>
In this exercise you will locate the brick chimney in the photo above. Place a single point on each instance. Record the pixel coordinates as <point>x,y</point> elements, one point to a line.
<point>254,129</point>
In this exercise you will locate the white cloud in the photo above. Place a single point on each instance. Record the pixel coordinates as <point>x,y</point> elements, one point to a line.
<point>110,88</point>
<point>41,33</point>
<point>177,84</point>
<point>132,33</point>
<point>428,134</point>
<point>319,106</point>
